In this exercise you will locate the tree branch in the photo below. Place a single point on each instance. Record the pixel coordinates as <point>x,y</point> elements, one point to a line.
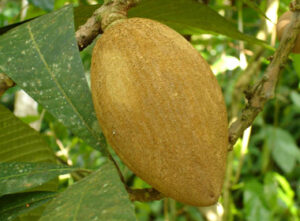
<point>109,12</point>
<point>264,90</point>
<point>144,195</point>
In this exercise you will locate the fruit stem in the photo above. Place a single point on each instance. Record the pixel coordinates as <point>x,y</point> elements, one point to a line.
<point>144,195</point>
<point>110,12</point>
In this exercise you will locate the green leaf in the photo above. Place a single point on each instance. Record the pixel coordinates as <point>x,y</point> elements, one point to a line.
<point>279,194</point>
<point>47,5</point>
<point>19,142</point>
<point>12,206</point>
<point>20,176</point>
<point>42,57</point>
<point>296,63</point>
<point>286,194</point>
<point>190,17</point>
<point>30,118</point>
<point>270,190</point>
<point>285,151</point>
<point>253,200</point>
<point>185,16</point>
<point>100,196</point>
<point>295,96</point>
<point>255,7</point>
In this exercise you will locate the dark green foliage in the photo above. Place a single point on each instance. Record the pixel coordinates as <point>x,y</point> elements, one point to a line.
<point>99,196</point>
<point>41,56</point>
<point>11,206</point>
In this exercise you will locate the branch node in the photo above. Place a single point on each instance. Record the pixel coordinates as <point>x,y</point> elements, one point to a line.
<point>294,6</point>
<point>144,195</point>
<point>248,93</point>
<point>108,13</point>
<point>270,58</point>
<point>264,90</point>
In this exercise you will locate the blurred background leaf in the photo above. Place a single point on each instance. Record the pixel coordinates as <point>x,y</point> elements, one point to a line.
<point>255,206</point>
<point>284,150</point>
<point>256,8</point>
<point>47,5</point>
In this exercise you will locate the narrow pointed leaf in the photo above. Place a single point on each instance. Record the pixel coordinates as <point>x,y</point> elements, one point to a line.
<point>100,196</point>
<point>255,7</point>
<point>19,176</point>
<point>190,17</point>
<point>42,57</point>
<point>14,205</point>
<point>19,142</point>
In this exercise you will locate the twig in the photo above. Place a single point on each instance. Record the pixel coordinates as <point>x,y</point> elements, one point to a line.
<point>118,168</point>
<point>5,83</point>
<point>264,90</point>
<point>227,198</point>
<point>245,142</point>
<point>166,210</point>
<point>143,195</point>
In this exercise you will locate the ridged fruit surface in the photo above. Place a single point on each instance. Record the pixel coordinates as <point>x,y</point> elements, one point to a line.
<point>282,24</point>
<point>161,109</point>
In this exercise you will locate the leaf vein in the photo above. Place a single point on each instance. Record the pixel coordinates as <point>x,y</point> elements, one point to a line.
<point>42,170</point>
<point>57,82</point>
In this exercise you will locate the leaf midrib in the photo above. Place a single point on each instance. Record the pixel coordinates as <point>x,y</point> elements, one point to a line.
<point>15,206</point>
<point>57,83</point>
<point>43,170</point>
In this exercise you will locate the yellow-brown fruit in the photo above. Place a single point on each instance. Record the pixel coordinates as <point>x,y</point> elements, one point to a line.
<point>282,24</point>
<point>161,109</point>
